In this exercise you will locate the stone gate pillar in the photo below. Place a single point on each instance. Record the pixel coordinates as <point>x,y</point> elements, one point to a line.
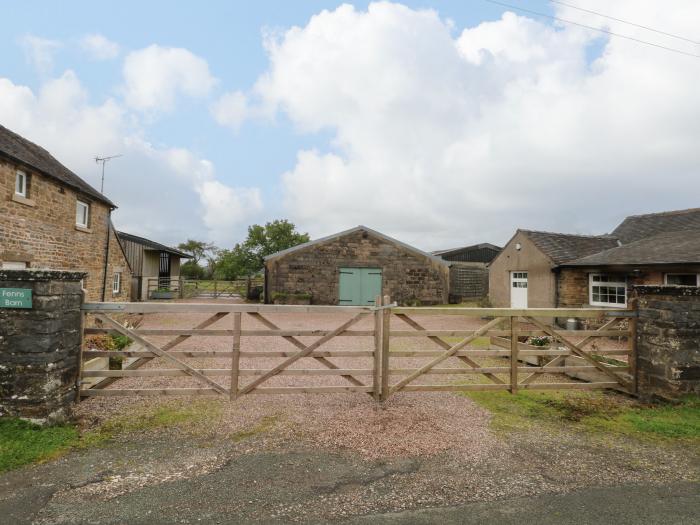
<point>40,338</point>
<point>668,340</point>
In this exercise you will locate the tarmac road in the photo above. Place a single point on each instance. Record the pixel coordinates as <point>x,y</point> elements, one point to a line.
<point>675,504</point>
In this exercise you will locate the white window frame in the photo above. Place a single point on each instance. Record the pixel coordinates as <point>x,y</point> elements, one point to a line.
<point>519,278</point>
<point>79,206</point>
<point>622,283</point>
<point>117,283</point>
<point>14,265</point>
<point>697,278</point>
<point>21,187</point>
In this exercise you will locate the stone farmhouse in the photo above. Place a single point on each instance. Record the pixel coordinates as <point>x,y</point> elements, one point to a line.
<point>545,270</point>
<point>51,218</point>
<point>353,267</point>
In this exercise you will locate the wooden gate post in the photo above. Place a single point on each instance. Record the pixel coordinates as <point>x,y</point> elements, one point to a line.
<point>377,362</point>
<point>386,327</point>
<point>235,359</point>
<point>632,343</point>
<point>513,354</point>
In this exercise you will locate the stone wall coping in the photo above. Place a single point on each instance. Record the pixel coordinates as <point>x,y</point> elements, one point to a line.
<point>40,275</point>
<point>676,291</point>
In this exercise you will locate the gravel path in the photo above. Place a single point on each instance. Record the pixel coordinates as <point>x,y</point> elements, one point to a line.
<point>424,424</point>
<point>318,457</point>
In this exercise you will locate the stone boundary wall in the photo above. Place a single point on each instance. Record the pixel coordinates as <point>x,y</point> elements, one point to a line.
<point>40,346</point>
<point>668,340</point>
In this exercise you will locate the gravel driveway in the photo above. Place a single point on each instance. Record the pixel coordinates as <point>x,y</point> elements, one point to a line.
<point>316,457</point>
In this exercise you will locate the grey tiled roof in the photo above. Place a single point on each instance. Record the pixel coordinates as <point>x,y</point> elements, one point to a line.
<point>636,227</point>
<point>563,247</point>
<point>679,247</point>
<point>19,149</point>
<point>472,247</point>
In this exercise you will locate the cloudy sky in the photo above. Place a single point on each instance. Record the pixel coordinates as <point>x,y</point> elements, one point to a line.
<point>439,123</point>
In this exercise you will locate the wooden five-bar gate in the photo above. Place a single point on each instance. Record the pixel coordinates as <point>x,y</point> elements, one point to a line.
<point>495,347</point>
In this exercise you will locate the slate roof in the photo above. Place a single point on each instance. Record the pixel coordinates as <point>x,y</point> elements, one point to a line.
<point>25,152</point>
<point>679,247</point>
<point>338,235</point>
<point>152,245</point>
<point>563,247</point>
<point>636,227</point>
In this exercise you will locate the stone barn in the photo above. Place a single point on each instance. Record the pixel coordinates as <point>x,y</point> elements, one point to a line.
<point>353,267</point>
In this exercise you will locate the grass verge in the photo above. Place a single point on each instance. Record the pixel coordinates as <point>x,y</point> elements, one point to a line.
<point>191,415</point>
<point>22,442</point>
<point>595,412</point>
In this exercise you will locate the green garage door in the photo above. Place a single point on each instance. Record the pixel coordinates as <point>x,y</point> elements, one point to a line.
<point>360,286</point>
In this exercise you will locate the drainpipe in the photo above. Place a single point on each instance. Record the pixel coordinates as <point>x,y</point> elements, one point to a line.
<point>109,230</point>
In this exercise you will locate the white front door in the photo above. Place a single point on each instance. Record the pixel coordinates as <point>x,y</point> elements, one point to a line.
<point>518,289</point>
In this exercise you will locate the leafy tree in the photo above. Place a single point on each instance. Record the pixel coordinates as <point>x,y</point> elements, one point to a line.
<point>197,249</point>
<point>273,237</point>
<point>192,270</point>
<point>247,258</point>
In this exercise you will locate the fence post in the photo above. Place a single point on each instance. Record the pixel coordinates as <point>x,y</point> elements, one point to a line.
<point>215,287</point>
<point>632,343</point>
<point>514,354</point>
<point>235,360</point>
<point>386,334</point>
<point>377,372</point>
<point>83,325</point>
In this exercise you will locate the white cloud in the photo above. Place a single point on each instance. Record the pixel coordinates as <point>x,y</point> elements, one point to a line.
<point>39,52</point>
<point>99,47</point>
<point>155,76</point>
<point>231,109</point>
<point>442,138</point>
<point>169,194</point>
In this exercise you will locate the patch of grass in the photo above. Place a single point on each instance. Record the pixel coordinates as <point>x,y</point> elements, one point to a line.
<point>594,412</point>
<point>22,442</point>
<point>264,425</point>
<point>164,416</point>
<point>479,342</point>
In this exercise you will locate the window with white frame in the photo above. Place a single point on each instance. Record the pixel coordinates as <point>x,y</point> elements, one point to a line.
<point>683,279</point>
<point>519,280</point>
<point>117,283</point>
<point>82,214</point>
<point>21,183</point>
<point>13,265</point>
<point>607,289</point>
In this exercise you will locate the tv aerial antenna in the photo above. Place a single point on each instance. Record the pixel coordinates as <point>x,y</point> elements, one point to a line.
<point>104,160</point>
